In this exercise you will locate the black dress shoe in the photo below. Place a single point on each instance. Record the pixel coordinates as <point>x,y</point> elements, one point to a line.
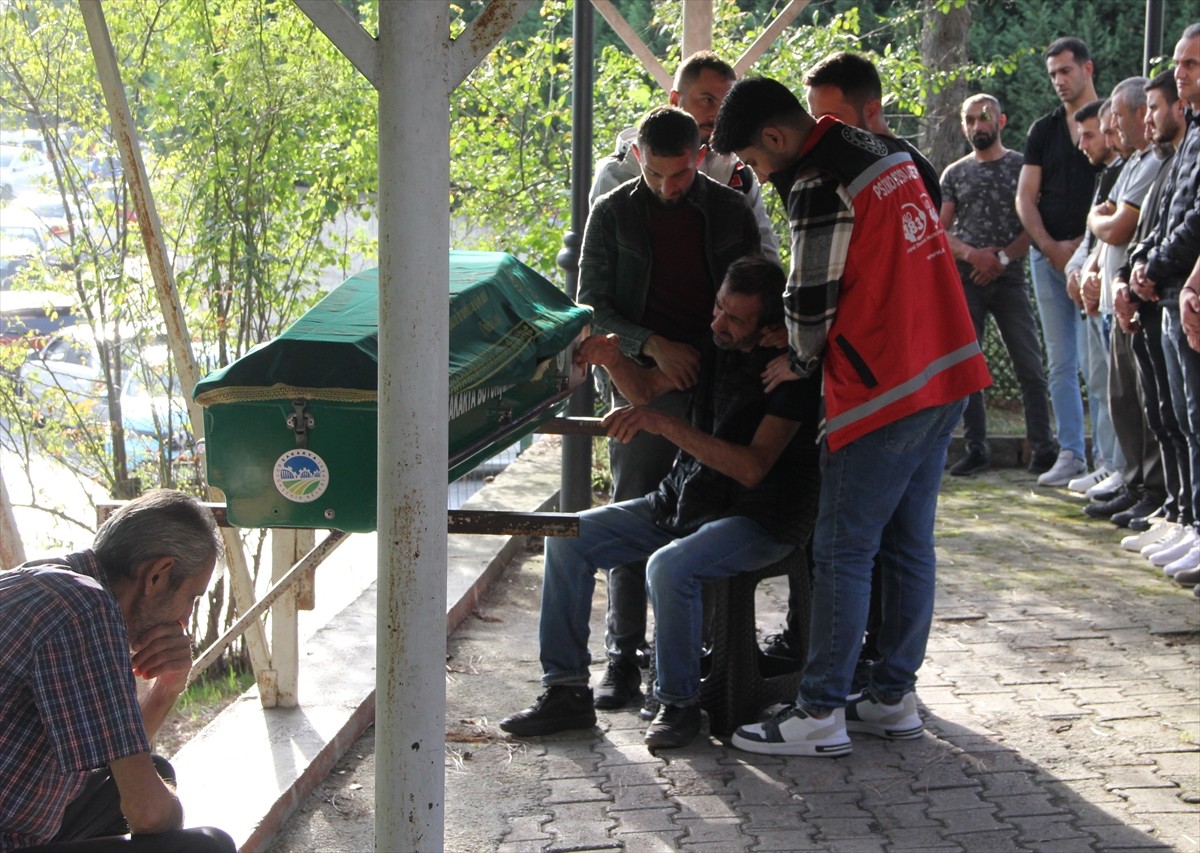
<point>1145,522</point>
<point>674,726</point>
<point>1109,508</point>
<point>1142,509</point>
<point>560,708</point>
<point>1040,463</point>
<point>976,461</point>
<point>622,682</point>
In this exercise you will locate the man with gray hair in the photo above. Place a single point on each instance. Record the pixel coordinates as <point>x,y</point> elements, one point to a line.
<point>75,634</point>
<point>989,245</point>
<point>1114,221</point>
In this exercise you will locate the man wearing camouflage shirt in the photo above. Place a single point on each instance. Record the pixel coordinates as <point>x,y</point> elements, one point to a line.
<point>989,245</point>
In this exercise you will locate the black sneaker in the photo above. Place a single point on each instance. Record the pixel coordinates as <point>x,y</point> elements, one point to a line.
<point>1140,525</point>
<point>622,681</point>
<point>780,646</point>
<point>1107,509</point>
<point>1144,508</point>
<point>975,462</point>
<point>674,726</point>
<point>560,708</point>
<point>1042,461</point>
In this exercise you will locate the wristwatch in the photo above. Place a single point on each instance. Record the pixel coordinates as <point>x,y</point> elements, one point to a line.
<point>1003,258</point>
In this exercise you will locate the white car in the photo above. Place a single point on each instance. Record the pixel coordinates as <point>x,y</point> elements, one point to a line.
<point>66,381</point>
<point>23,168</point>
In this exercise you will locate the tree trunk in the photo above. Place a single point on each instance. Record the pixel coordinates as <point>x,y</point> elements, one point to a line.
<point>944,47</point>
<point>12,550</point>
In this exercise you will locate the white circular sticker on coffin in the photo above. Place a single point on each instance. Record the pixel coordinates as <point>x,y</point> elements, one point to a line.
<point>301,476</point>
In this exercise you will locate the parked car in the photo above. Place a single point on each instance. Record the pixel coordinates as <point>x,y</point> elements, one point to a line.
<point>29,317</point>
<point>67,380</point>
<point>20,245</point>
<point>154,413</point>
<point>23,168</point>
<point>43,212</point>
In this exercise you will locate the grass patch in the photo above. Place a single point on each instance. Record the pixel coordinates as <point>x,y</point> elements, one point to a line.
<point>212,689</point>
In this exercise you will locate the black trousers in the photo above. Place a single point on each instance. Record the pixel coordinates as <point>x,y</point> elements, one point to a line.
<point>93,823</point>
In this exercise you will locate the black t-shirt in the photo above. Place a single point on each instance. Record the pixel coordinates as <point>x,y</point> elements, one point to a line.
<point>729,403</point>
<point>1068,179</point>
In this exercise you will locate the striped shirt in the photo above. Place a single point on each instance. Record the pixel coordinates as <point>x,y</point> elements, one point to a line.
<point>68,701</point>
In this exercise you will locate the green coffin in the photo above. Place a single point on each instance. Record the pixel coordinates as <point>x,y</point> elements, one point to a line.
<point>290,427</point>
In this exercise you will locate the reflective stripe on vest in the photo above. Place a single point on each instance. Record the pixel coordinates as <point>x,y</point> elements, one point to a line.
<point>905,389</point>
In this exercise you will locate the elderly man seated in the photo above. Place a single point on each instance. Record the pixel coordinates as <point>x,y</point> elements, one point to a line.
<point>728,505</point>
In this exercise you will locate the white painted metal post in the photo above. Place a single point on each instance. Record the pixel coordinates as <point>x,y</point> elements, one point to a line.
<point>414,333</point>
<point>164,282</point>
<point>287,547</point>
<point>697,26</point>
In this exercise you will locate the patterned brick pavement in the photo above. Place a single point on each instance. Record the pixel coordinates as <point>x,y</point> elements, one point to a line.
<point>1061,693</point>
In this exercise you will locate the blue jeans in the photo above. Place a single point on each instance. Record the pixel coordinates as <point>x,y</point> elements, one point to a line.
<point>1183,376</point>
<point>1062,330</point>
<point>1105,449</point>
<point>675,571</point>
<point>638,466</point>
<point>878,495</point>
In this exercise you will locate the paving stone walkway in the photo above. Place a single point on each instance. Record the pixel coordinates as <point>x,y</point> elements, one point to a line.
<point>1061,694</point>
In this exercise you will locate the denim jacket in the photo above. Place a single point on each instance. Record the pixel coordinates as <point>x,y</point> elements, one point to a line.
<point>614,266</point>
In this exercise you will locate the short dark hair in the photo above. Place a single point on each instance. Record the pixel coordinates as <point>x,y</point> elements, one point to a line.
<point>1164,81</point>
<point>160,523</point>
<point>852,73</point>
<point>757,275</point>
<point>1078,48</point>
<point>752,104</point>
<point>1089,110</point>
<point>701,60</point>
<point>668,132</point>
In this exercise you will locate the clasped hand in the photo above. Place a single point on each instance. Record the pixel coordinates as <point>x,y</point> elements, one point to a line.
<point>163,652</point>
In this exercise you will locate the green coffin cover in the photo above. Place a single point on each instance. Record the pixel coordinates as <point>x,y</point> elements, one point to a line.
<point>506,322</point>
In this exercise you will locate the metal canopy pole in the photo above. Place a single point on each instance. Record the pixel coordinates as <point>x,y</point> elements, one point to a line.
<point>414,331</point>
<point>575,493</point>
<point>697,27</point>
<point>1153,44</point>
<point>138,180</point>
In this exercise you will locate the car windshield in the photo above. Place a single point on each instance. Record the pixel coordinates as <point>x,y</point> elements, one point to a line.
<point>152,382</point>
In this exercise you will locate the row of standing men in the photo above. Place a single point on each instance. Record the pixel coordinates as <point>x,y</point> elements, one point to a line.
<point>1106,204</point>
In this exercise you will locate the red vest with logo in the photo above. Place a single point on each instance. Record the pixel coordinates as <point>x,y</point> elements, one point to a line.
<point>902,339</point>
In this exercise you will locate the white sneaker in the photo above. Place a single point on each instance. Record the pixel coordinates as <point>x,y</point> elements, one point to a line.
<point>894,722</point>
<point>1082,484</point>
<point>1190,560</point>
<point>1112,483</point>
<point>1155,533</point>
<point>1169,555</point>
<point>1166,542</point>
<point>794,732</point>
<point>1066,468</point>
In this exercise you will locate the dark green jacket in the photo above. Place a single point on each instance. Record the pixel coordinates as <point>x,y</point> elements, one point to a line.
<point>614,267</point>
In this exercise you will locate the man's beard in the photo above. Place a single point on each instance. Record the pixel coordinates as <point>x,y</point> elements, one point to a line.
<point>731,344</point>
<point>982,141</point>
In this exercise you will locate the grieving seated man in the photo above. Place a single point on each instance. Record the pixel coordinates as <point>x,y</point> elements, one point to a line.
<point>76,772</point>
<point>731,503</point>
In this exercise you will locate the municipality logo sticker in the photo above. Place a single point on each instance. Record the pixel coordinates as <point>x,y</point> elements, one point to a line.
<point>301,476</point>
<point>862,139</point>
